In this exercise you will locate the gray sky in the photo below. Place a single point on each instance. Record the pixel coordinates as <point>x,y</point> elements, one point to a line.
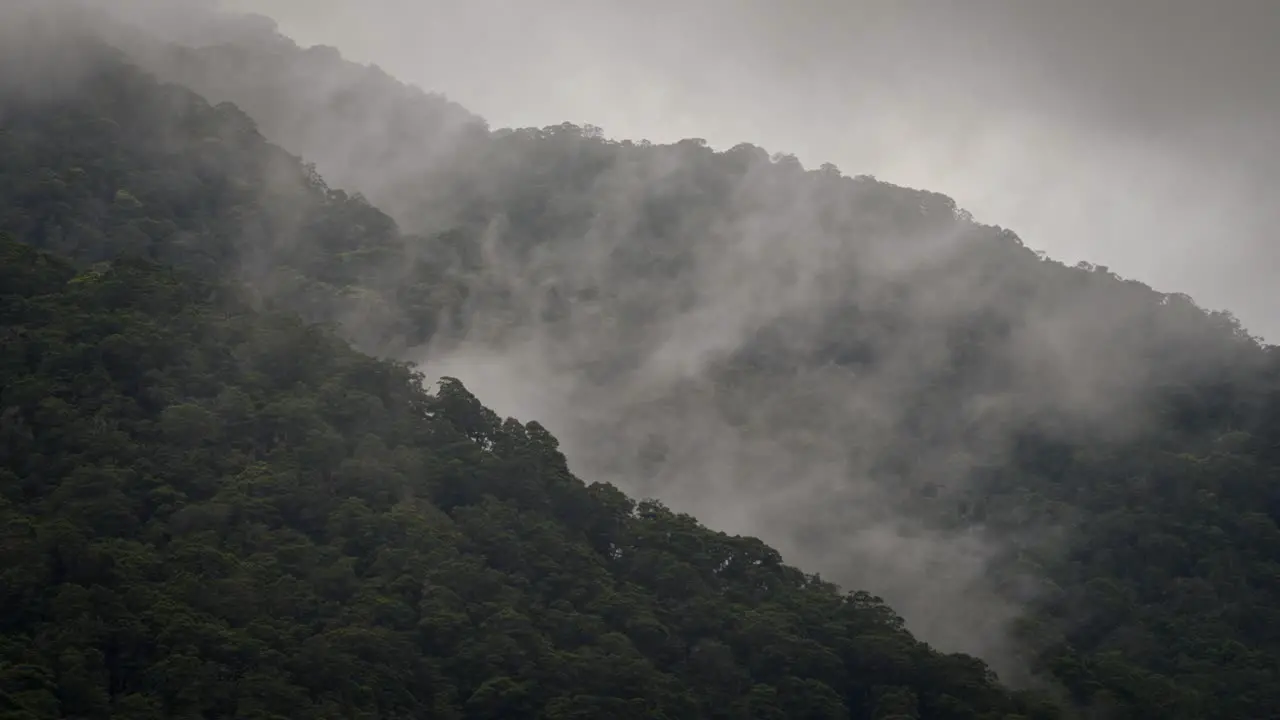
<point>1138,134</point>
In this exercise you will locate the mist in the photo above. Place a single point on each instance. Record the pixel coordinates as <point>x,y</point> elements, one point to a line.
<point>1135,135</point>
<point>770,348</point>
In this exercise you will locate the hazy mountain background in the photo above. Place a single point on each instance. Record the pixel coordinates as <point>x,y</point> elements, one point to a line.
<point>1136,135</point>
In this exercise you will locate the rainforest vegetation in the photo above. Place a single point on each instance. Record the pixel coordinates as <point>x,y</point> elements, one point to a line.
<point>226,492</point>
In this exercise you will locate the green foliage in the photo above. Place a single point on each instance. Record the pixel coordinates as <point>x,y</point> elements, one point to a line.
<point>211,508</point>
<point>214,512</point>
<point>125,166</point>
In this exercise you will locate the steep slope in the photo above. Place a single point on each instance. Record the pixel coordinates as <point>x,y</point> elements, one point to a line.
<point>361,127</point>
<point>899,397</point>
<point>942,401</point>
<point>885,390</point>
<point>212,512</point>
<point>117,164</point>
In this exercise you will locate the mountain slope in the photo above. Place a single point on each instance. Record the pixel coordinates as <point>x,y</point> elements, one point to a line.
<point>885,390</point>
<point>678,313</point>
<point>361,127</point>
<point>120,165</point>
<point>214,512</point>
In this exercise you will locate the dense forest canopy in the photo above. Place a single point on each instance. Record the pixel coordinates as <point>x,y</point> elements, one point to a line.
<point>1064,472</point>
<point>211,511</point>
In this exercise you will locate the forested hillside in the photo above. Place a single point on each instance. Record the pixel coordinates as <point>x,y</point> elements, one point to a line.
<point>361,127</point>
<point>122,165</point>
<point>1065,472</point>
<point>209,511</point>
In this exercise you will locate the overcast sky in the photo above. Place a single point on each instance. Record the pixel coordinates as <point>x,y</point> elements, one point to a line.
<point>1139,134</point>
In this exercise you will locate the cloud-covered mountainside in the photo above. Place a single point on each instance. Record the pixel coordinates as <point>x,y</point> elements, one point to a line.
<point>210,511</point>
<point>1068,474</point>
